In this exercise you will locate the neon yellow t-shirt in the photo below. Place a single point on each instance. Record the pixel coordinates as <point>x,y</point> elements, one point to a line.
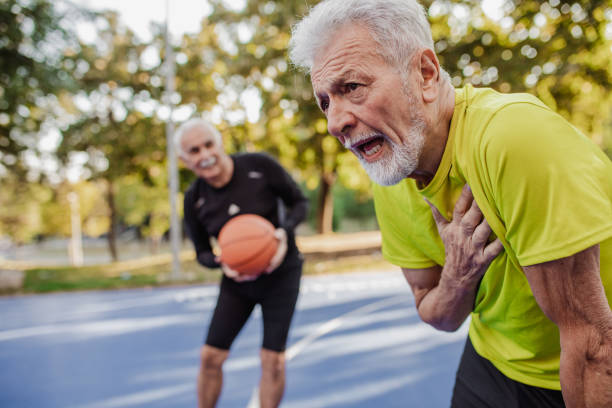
<point>546,191</point>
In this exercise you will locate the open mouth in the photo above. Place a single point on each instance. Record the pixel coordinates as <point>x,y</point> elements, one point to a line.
<point>370,147</point>
<point>204,164</point>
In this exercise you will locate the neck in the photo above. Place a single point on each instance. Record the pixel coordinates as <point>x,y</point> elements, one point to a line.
<point>436,137</point>
<point>224,177</point>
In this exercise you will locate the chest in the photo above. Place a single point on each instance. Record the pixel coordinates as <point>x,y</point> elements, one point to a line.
<point>249,192</point>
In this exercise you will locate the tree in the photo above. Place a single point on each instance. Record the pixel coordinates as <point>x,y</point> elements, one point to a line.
<point>119,125</point>
<point>290,125</point>
<point>145,204</point>
<point>105,98</point>
<point>35,79</point>
<point>559,51</point>
<point>34,76</point>
<point>21,217</point>
<point>56,209</point>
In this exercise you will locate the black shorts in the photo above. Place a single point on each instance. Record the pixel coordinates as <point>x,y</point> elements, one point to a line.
<point>277,294</point>
<point>480,385</point>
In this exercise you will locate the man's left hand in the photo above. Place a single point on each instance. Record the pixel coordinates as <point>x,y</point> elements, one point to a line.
<point>281,251</point>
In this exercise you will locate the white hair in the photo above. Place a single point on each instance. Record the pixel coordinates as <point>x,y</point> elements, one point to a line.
<point>195,123</point>
<point>399,27</point>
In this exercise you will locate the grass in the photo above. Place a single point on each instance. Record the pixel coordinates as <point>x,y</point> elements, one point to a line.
<point>43,280</point>
<point>143,274</point>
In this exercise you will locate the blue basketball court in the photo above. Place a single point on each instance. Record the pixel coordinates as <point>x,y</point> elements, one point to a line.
<point>356,341</point>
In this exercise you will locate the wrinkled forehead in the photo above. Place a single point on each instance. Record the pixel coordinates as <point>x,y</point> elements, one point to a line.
<point>350,51</point>
<point>197,135</point>
<point>349,37</point>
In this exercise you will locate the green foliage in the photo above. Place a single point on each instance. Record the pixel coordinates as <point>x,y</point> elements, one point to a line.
<point>67,279</point>
<point>146,205</point>
<point>30,210</point>
<point>350,208</point>
<point>559,51</point>
<point>21,217</point>
<point>43,280</point>
<point>117,127</point>
<point>348,203</point>
<point>35,75</point>
<point>107,100</point>
<point>92,209</point>
<point>290,125</point>
<point>556,50</point>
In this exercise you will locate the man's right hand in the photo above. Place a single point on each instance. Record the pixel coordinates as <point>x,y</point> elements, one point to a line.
<point>444,296</point>
<point>467,251</point>
<point>232,274</point>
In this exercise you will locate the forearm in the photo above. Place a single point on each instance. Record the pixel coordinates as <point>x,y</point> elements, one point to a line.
<point>198,233</point>
<point>446,298</point>
<point>296,215</point>
<point>447,305</point>
<point>586,366</point>
<point>570,292</point>
<point>207,259</point>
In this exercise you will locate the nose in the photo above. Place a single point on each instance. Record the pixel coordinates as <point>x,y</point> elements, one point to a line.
<point>200,155</point>
<point>340,121</point>
<point>204,152</point>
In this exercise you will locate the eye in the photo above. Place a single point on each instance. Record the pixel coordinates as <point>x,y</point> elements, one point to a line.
<point>208,144</point>
<point>351,86</point>
<point>194,150</point>
<point>324,105</point>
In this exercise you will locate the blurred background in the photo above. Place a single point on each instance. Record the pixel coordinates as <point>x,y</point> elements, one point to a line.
<point>90,91</point>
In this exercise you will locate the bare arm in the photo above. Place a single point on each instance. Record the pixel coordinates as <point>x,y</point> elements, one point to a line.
<point>569,291</point>
<point>441,302</point>
<point>445,295</point>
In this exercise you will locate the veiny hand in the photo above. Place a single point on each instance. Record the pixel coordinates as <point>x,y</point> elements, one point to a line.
<point>232,274</point>
<point>281,251</point>
<point>465,240</point>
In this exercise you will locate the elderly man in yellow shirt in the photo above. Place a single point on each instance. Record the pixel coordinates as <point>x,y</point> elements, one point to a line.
<point>525,250</point>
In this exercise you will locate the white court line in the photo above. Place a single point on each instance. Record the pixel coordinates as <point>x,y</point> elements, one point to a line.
<point>142,398</point>
<point>324,329</point>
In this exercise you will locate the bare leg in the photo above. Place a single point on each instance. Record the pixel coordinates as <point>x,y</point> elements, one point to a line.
<point>272,384</point>
<point>210,378</point>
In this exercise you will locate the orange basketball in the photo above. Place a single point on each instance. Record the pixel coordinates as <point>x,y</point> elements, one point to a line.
<point>247,243</point>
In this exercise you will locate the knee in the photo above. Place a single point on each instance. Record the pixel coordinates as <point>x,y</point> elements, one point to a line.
<point>212,358</point>
<point>272,363</point>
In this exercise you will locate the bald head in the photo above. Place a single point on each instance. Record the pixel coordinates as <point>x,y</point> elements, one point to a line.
<point>195,124</point>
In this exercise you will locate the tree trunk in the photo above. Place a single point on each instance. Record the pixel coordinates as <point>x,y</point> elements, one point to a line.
<point>112,231</point>
<point>325,210</point>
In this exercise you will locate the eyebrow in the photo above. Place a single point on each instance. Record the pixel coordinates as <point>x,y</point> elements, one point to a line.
<point>345,76</point>
<point>349,74</point>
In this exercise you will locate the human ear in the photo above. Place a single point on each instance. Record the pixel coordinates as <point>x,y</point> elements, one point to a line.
<point>430,75</point>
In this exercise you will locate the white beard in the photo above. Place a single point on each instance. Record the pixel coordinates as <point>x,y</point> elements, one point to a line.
<point>401,162</point>
<point>204,164</point>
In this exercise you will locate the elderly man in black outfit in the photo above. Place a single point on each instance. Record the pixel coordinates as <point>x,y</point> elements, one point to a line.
<point>229,185</point>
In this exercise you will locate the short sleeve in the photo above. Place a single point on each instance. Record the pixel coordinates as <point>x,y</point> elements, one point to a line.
<point>552,186</point>
<point>404,220</point>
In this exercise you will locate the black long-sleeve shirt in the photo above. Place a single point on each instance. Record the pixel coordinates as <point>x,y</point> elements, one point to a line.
<point>257,184</point>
